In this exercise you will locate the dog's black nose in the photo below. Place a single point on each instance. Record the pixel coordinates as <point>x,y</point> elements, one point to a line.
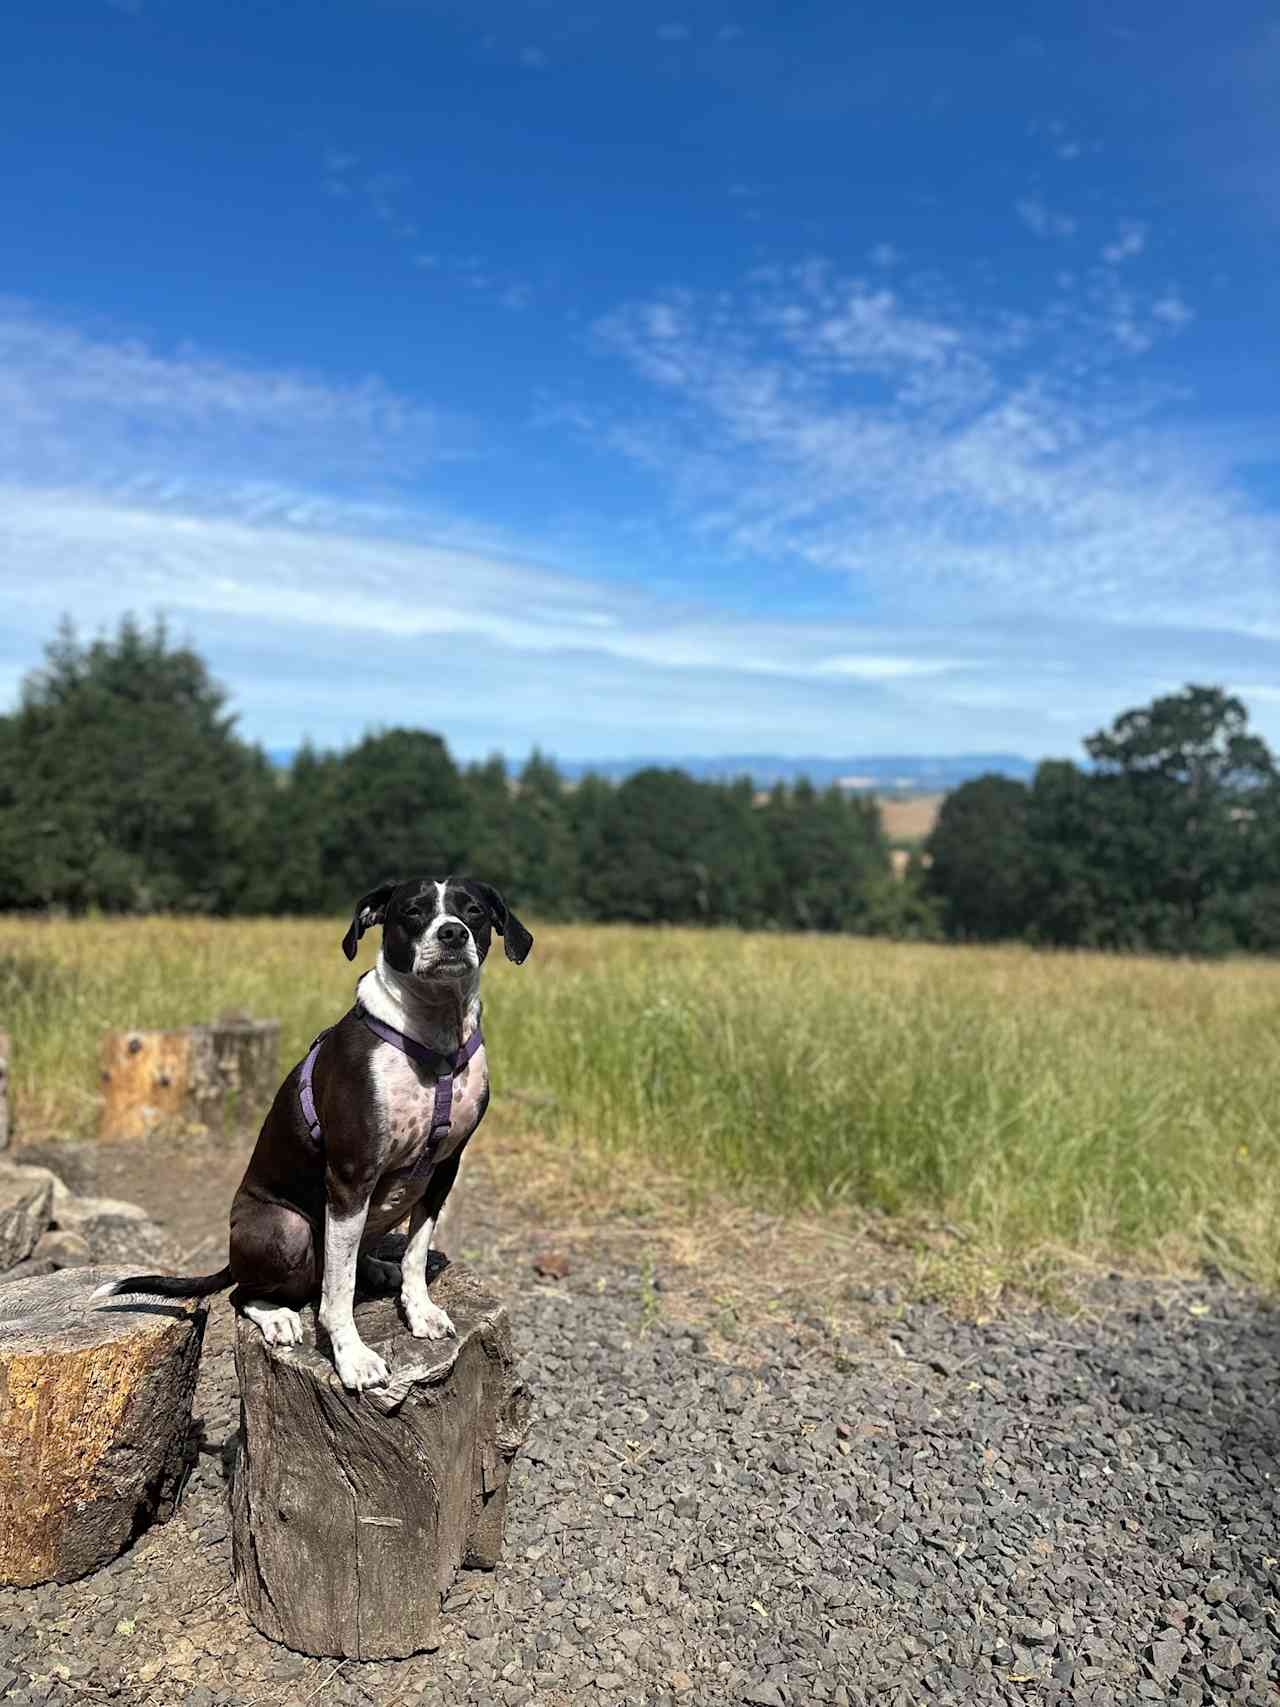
<point>451,935</point>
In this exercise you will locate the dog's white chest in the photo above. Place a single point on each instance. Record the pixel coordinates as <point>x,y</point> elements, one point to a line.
<point>407,1100</point>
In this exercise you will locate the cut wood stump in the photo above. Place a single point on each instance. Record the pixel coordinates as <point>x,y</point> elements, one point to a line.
<point>351,1513</point>
<point>95,1421</point>
<point>218,1078</point>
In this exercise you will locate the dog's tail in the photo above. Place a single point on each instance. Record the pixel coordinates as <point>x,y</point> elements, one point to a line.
<point>168,1285</point>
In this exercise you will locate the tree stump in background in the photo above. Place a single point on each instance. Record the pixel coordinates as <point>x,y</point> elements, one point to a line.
<point>351,1513</point>
<point>95,1421</point>
<point>6,1128</point>
<point>216,1078</point>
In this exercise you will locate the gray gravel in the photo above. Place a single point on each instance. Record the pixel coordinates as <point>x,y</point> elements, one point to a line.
<point>1031,1510</point>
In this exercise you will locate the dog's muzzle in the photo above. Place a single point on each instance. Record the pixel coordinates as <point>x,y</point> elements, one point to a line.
<point>450,952</point>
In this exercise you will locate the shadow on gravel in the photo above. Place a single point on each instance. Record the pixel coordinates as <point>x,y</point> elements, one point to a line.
<point>226,1450</point>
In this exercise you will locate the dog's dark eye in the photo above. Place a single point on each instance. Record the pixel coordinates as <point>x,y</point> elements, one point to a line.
<point>474,912</point>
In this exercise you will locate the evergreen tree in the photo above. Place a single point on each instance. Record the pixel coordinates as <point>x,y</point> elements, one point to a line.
<point>492,853</point>
<point>735,851</point>
<point>980,860</point>
<point>290,873</point>
<point>1071,894</point>
<point>654,839</point>
<point>827,851</point>
<point>124,786</point>
<point>398,807</point>
<point>545,880</point>
<point>588,806</point>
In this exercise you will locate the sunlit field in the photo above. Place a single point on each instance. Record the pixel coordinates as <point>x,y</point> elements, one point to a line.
<point>1118,1108</point>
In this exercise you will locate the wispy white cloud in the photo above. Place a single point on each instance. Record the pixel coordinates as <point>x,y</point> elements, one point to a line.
<point>1061,139</point>
<point>110,408</point>
<point>1172,309</point>
<point>1130,242</point>
<point>944,462</point>
<point>1024,557</point>
<point>868,667</point>
<point>1043,221</point>
<point>290,607</point>
<point>388,194</point>
<point>534,59</point>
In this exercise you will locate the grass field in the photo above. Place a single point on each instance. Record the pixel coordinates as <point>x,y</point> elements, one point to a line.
<point>1107,1108</point>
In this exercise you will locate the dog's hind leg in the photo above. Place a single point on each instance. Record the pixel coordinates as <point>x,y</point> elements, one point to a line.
<point>280,1325</point>
<point>376,1275</point>
<point>274,1263</point>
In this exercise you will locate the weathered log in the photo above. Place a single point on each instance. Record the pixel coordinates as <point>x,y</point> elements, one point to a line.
<point>6,1126</point>
<point>199,1079</point>
<point>352,1513</point>
<point>95,1420</point>
<point>26,1202</point>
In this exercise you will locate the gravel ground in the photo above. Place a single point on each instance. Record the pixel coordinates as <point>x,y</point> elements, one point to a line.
<point>921,1510</point>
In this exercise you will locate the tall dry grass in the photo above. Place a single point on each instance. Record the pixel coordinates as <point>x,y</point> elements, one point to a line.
<point>1102,1105</point>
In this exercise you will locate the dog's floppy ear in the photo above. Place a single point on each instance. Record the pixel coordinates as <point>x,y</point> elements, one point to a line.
<point>516,940</point>
<point>370,910</point>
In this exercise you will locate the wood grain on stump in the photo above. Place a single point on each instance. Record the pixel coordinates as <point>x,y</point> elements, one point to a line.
<point>200,1078</point>
<point>95,1420</point>
<point>349,1518</point>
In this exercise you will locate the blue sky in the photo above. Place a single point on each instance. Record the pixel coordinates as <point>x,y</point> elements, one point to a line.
<point>692,379</point>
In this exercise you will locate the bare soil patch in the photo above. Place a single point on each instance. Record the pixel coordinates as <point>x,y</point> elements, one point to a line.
<point>910,818</point>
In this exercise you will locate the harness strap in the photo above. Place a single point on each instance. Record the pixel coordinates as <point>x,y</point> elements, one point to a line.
<point>442,1110</point>
<point>306,1090</point>
<point>442,1113</point>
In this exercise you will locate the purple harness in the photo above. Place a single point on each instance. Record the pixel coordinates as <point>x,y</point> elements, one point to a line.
<point>441,1114</point>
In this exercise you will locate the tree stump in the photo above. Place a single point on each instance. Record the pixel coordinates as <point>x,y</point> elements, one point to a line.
<point>95,1421</point>
<point>6,1128</point>
<point>216,1078</point>
<point>351,1513</point>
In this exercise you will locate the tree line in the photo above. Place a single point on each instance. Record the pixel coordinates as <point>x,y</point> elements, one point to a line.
<point>124,787</point>
<point>1169,842</point>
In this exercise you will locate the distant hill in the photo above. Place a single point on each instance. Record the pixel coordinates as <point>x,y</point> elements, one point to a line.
<point>879,774</point>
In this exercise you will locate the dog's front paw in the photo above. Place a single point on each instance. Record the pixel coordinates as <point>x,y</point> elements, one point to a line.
<point>358,1367</point>
<point>427,1321</point>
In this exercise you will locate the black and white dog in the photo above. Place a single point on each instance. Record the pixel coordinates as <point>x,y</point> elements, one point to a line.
<point>354,1141</point>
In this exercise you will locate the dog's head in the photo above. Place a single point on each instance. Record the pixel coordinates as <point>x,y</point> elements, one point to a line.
<point>437,929</point>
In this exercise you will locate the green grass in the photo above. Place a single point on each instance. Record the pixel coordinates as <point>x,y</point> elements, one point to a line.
<point>1112,1107</point>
